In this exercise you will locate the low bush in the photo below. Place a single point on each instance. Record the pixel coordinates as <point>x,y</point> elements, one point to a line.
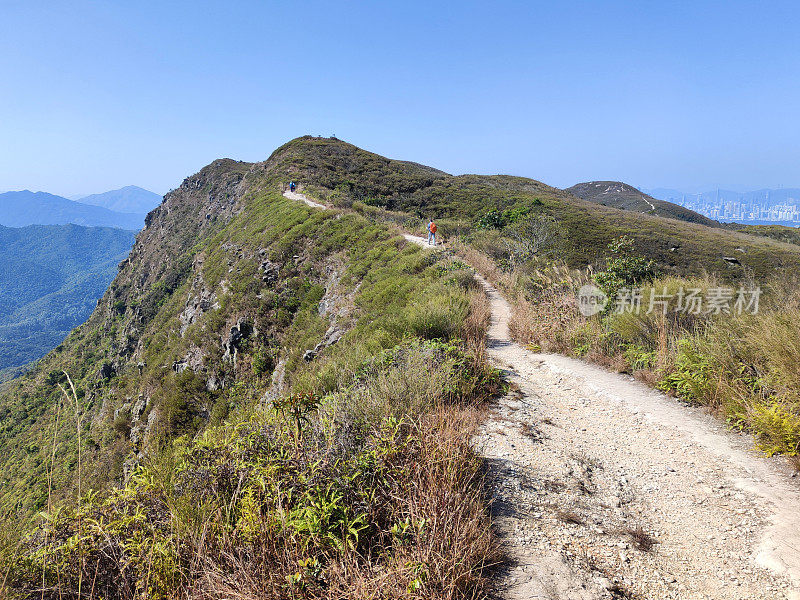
<point>438,313</point>
<point>377,494</point>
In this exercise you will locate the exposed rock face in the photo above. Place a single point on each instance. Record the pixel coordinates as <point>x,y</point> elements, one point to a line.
<point>107,371</point>
<point>200,300</point>
<point>270,271</point>
<point>333,335</point>
<point>337,305</point>
<point>237,336</point>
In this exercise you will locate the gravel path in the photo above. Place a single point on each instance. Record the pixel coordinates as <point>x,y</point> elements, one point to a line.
<point>303,198</point>
<point>604,488</point>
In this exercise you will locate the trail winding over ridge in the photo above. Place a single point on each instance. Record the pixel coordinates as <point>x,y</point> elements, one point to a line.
<point>605,488</point>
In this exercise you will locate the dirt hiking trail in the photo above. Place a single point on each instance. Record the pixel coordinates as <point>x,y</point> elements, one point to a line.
<point>303,198</point>
<point>604,488</point>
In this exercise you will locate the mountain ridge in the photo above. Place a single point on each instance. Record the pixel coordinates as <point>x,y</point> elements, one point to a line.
<point>621,195</point>
<point>128,199</point>
<point>346,175</point>
<point>23,208</point>
<point>238,309</point>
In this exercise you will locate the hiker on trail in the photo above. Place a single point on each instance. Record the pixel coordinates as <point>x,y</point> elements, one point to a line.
<point>291,186</point>
<point>432,233</point>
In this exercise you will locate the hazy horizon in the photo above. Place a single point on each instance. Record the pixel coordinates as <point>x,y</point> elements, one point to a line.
<point>701,189</point>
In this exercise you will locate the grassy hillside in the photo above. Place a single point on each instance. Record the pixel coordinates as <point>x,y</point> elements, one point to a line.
<point>259,380</point>
<point>782,233</point>
<point>274,401</point>
<point>626,197</point>
<point>349,176</point>
<point>50,279</point>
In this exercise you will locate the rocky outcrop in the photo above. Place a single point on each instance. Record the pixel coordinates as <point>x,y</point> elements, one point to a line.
<point>238,334</point>
<point>336,304</point>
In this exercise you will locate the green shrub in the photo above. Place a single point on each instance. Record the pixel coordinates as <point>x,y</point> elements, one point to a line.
<point>639,358</point>
<point>438,314</point>
<point>777,427</point>
<point>623,268</point>
<point>691,375</point>
<point>497,219</point>
<point>263,361</point>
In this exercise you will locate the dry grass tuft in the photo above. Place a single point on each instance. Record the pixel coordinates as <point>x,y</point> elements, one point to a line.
<point>476,323</point>
<point>640,538</point>
<point>568,516</point>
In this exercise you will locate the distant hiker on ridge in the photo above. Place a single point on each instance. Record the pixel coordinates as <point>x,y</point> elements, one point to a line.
<point>291,186</point>
<point>432,233</point>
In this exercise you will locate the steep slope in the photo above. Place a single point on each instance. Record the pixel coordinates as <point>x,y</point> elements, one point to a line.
<point>129,199</point>
<point>279,391</point>
<point>50,279</point>
<point>626,197</point>
<point>268,372</point>
<point>160,262</point>
<point>344,174</point>
<point>19,209</point>
<point>226,275</point>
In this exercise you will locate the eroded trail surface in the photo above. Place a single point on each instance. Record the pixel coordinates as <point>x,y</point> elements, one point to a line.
<point>604,488</point>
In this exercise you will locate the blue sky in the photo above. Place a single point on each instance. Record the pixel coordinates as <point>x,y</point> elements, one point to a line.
<point>97,95</point>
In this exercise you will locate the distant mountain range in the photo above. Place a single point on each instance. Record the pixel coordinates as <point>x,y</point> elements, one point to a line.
<point>57,256</point>
<point>130,199</point>
<point>50,279</point>
<point>124,209</point>
<point>20,209</point>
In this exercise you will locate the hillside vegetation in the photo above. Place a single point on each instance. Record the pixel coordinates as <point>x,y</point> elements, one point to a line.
<point>739,361</point>
<point>285,398</point>
<point>468,205</point>
<point>275,401</point>
<point>50,279</point>
<point>782,233</point>
<point>626,197</point>
<point>541,244</point>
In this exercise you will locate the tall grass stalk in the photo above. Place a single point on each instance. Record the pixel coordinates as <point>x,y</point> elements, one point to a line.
<point>74,399</point>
